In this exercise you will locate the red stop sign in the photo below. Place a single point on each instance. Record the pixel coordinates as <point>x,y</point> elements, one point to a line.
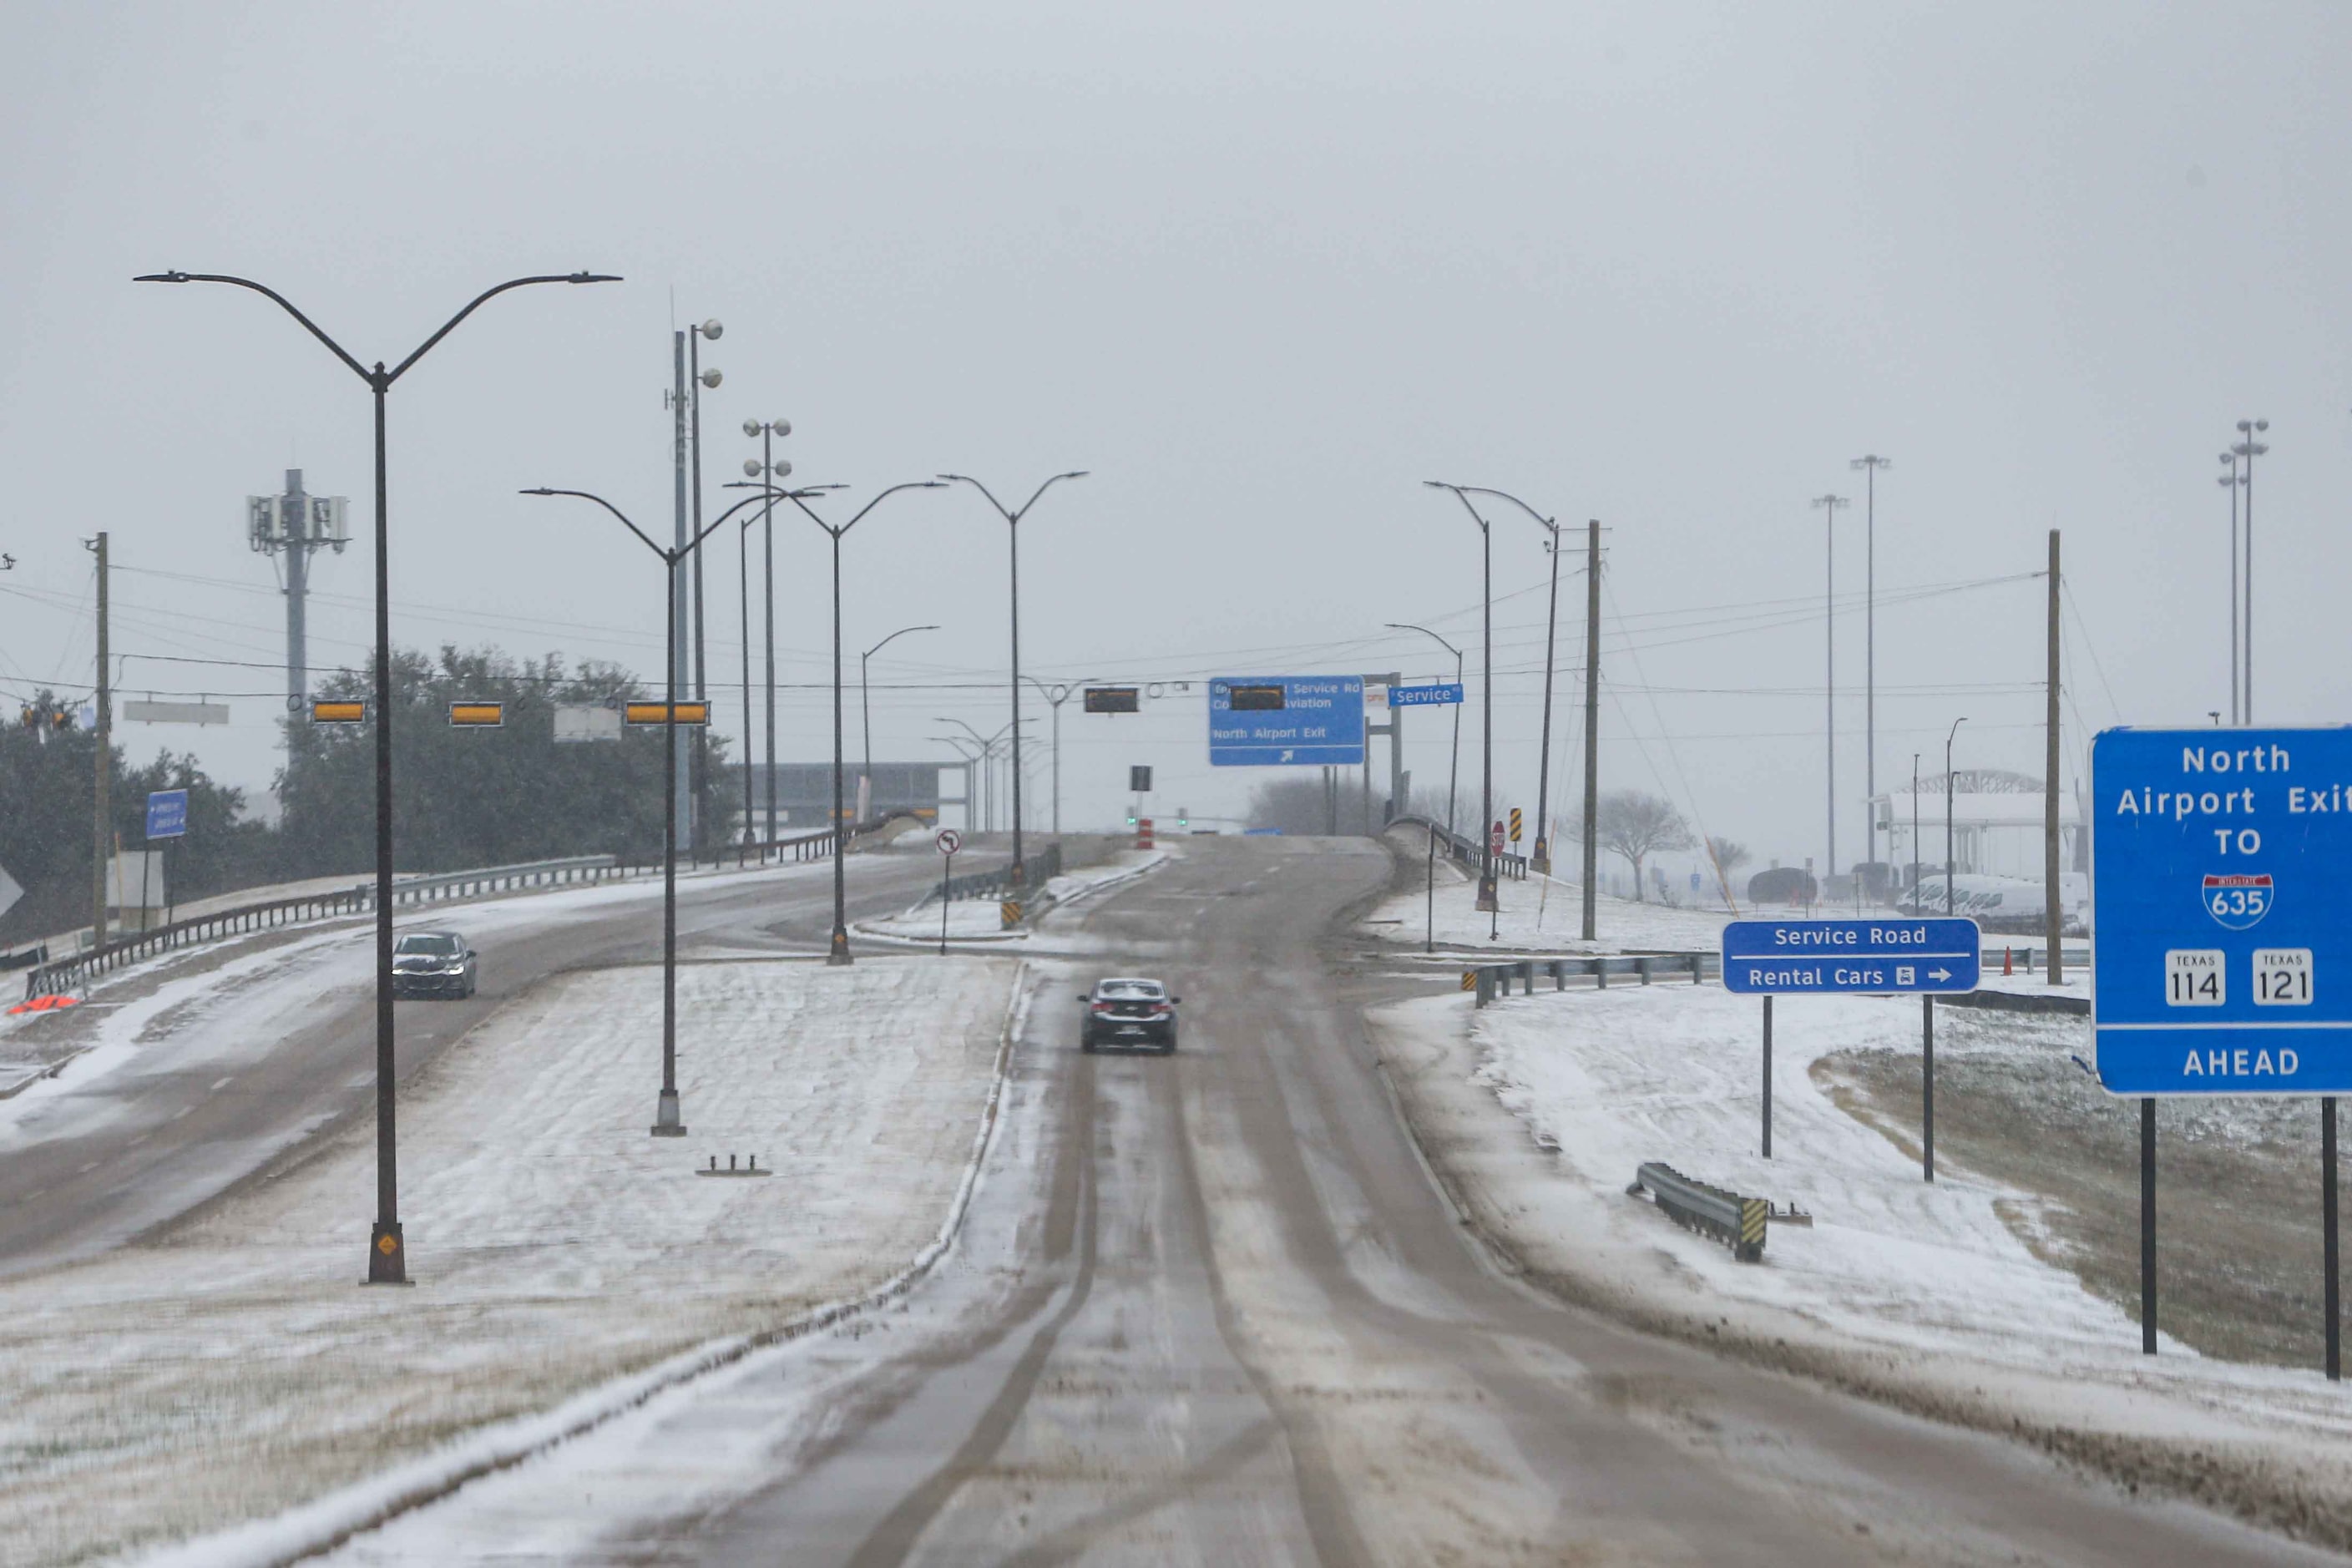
<point>1494,839</point>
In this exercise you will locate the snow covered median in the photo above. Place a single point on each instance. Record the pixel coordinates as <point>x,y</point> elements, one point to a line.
<point>236,1368</point>
<point>981,920</point>
<point>1950,1299</point>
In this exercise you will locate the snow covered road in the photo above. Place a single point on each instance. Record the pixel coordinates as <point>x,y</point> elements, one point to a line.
<point>203,1065</point>
<point>1210,1309</point>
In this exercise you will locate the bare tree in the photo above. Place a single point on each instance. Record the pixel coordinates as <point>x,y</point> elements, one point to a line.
<point>1637,826</point>
<point>1729,854</point>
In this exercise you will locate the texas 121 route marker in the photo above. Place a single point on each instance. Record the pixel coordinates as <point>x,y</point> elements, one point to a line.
<point>1894,956</point>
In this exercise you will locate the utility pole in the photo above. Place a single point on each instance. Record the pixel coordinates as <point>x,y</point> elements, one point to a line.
<point>1591,716</point>
<point>1870,465</point>
<point>1827,505</point>
<point>104,725</point>
<point>2053,906</point>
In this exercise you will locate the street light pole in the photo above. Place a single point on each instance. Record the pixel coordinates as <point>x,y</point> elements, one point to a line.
<point>837,951</point>
<point>1054,697</point>
<point>1012,520</point>
<point>698,379</point>
<point>1488,894</point>
<point>2249,448</point>
<point>767,464</point>
<point>1828,506</point>
<point>666,1120</point>
<point>2232,481</point>
<point>1870,465</point>
<point>865,708</point>
<point>1542,860</point>
<point>1453,774</point>
<point>1950,872</point>
<point>387,1256</point>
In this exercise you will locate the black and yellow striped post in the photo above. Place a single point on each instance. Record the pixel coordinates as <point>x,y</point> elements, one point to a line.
<point>1514,825</point>
<point>1754,1214</point>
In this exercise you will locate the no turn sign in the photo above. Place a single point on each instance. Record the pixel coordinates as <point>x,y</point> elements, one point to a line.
<point>948,841</point>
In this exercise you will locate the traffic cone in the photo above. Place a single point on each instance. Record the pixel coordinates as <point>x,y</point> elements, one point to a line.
<point>1143,833</point>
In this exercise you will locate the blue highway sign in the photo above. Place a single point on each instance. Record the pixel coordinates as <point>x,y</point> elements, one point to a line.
<point>1866,957</point>
<point>167,814</point>
<point>1424,696</point>
<point>2217,877</point>
<point>1287,720</point>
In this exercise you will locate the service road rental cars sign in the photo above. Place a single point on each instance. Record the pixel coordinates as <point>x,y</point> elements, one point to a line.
<point>2221,940</point>
<point>1894,955</point>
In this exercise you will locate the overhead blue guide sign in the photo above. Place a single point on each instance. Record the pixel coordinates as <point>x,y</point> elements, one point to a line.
<point>1424,696</point>
<point>2220,927</point>
<point>1865,957</point>
<point>1287,720</point>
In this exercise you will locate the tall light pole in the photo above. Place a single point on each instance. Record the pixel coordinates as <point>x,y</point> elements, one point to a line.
<point>837,951</point>
<point>2233,481</point>
<point>697,380</point>
<point>1914,833</point>
<point>1013,529</point>
<point>388,1256</point>
<point>1827,505</point>
<point>761,468</point>
<point>1950,868</point>
<point>1542,860</point>
<point>2249,448</point>
<point>1055,695</point>
<point>1488,892</point>
<point>1454,773</point>
<point>666,1120</point>
<point>1870,464</point>
<point>865,708</point>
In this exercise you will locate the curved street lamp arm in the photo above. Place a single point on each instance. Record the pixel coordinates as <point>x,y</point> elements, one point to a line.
<point>983,489</point>
<point>608,506</point>
<point>794,496</point>
<point>722,517</point>
<point>1409,626</point>
<point>1540,518</point>
<point>478,299</point>
<point>283,304</point>
<point>1458,495</point>
<point>886,642</point>
<point>1041,490</point>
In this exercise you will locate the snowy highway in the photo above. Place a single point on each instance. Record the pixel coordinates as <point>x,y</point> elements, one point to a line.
<point>1212,1308</point>
<point>205,1063</point>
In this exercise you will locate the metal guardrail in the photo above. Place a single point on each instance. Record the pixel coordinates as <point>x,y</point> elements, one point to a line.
<point>1037,871</point>
<point>1493,981</point>
<point>1740,1222</point>
<point>1463,849</point>
<point>78,969</point>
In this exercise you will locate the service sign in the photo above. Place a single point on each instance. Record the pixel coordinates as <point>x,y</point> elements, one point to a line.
<point>1896,955</point>
<point>2221,940</point>
<point>1287,720</point>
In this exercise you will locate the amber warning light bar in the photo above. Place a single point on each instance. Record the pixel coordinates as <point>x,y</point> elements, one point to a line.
<point>477,715</point>
<point>324,711</point>
<point>651,713</point>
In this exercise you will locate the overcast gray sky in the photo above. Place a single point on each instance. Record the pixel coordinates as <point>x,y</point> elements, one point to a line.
<point>1262,269</point>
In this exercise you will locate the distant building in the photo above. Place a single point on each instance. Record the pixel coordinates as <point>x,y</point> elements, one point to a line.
<point>1996,820</point>
<point>804,791</point>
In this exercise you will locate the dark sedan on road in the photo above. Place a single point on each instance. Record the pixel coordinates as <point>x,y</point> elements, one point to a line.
<point>433,964</point>
<point>1128,1013</point>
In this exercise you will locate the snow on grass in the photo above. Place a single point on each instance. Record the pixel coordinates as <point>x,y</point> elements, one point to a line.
<point>238,1368</point>
<point>1541,913</point>
<point>1944,1295</point>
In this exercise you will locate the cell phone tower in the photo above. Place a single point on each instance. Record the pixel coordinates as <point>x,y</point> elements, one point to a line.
<point>294,524</point>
